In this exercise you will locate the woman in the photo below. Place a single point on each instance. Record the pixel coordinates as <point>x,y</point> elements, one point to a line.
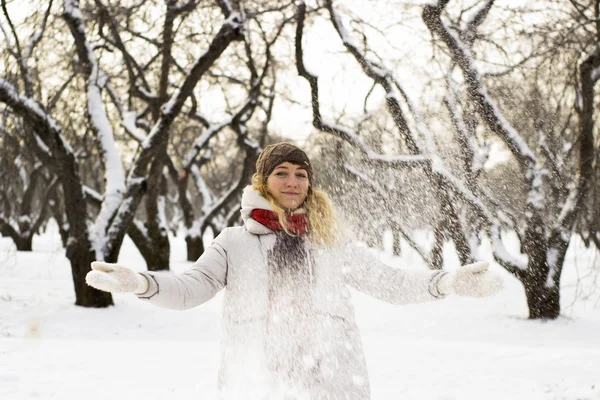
<point>288,323</point>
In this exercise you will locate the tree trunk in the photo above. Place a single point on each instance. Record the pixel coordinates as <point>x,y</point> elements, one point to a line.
<point>60,220</point>
<point>437,257</point>
<point>450,224</point>
<point>458,237</point>
<point>156,251</point>
<point>542,277</point>
<point>79,250</point>
<point>195,247</point>
<point>23,243</point>
<point>81,256</point>
<point>158,258</point>
<point>543,302</point>
<point>396,246</point>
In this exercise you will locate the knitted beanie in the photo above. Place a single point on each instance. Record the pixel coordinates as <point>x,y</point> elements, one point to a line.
<point>278,153</point>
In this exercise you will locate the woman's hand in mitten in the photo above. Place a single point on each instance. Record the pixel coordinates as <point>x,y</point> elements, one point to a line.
<point>474,280</point>
<point>115,278</point>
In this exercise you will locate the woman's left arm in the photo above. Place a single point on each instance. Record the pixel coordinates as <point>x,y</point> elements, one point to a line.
<point>367,274</point>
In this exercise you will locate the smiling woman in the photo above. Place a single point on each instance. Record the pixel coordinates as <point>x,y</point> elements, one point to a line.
<point>288,323</point>
<point>284,176</point>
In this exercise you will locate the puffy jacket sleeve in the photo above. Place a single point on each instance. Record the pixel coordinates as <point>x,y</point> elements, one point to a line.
<point>363,271</point>
<point>195,286</point>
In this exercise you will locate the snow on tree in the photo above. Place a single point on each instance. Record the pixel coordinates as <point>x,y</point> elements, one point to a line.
<point>544,232</point>
<point>122,192</point>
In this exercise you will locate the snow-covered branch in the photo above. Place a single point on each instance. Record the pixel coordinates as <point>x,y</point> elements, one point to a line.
<point>346,134</point>
<point>129,119</point>
<point>225,7</point>
<point>36,37</point>
<point>475,21</point>
<point>514,264</point>
<point>487,108</point>
<point>208,197</point>
<point>543,143</point>
<point>202,142</point>
<point>462,56</point>
<point>230,30</point>
<point>184,7</point>
<point>135,72</point>
<point>465,135</point>
<point>385,78</point>
<point>234,120</point>
<point>114,175</point>
<point>22,172</point>
<point>380,75</point>
<point>29,110</point>
<point>234,189</point>
<point>93,195</point>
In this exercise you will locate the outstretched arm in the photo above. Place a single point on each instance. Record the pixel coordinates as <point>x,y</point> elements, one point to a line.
<point>195,286</point>
<point>367,274</point>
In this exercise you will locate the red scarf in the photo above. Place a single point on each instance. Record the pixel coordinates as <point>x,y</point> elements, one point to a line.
<point>296,223</point>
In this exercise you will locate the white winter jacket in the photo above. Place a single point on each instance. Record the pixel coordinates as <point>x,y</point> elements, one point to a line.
<point>236,262</point>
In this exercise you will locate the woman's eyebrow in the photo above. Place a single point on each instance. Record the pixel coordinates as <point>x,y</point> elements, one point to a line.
<point>285,167</point>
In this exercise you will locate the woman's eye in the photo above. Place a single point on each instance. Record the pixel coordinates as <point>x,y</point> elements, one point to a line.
<point>281,174</point>
<point>301,176</point>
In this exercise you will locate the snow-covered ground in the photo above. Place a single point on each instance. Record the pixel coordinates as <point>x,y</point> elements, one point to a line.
<point>457,349</point>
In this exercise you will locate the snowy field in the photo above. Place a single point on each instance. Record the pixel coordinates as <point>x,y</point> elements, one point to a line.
<point>459,349</point>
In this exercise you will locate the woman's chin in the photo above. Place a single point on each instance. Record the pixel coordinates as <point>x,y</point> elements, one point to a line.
<point>290,206</point>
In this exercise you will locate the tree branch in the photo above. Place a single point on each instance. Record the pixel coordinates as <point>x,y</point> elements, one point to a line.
<point>229,31</point>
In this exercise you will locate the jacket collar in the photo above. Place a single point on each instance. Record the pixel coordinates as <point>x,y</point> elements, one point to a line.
<point>251,199</point>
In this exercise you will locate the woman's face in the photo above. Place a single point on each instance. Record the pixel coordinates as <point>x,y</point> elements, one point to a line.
<point>288,184</point>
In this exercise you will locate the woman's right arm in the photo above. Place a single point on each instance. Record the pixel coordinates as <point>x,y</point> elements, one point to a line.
<point>195,286</point>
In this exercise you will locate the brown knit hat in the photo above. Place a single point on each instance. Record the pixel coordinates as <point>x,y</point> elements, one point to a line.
<point>278,153</point>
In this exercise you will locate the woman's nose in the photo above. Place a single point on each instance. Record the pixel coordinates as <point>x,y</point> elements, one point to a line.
<point>292,181</point>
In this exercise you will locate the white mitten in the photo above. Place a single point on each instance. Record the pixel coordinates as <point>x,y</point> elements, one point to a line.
<point>474,280</point>
<point>116,278</point>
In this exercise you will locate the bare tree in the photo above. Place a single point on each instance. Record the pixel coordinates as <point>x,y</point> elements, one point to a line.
<point>246,133</point>
<point>544,229</point>
<point>545,240</point>
<point>122,194</point>
<point>25,188</point>
<point>419,151</point>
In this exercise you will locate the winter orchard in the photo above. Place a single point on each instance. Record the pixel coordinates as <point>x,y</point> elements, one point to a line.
<point>141,118</point>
